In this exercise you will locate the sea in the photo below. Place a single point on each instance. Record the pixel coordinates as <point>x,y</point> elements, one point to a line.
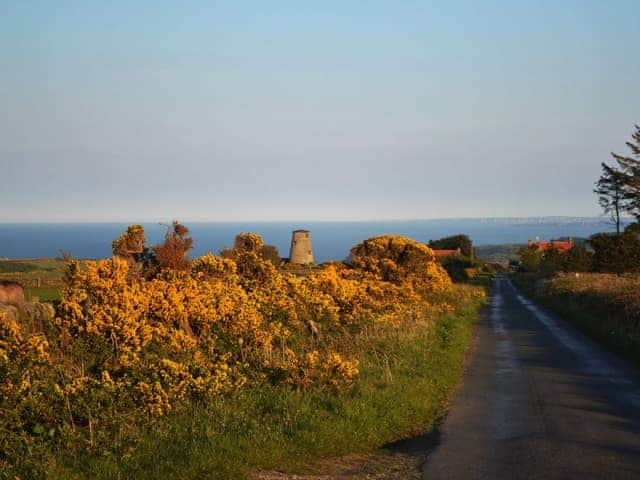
<point>332,240</point>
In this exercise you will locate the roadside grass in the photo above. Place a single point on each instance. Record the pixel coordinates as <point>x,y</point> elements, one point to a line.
<point>606,307</point>
<point>407,375</point>
<point>482,279</point>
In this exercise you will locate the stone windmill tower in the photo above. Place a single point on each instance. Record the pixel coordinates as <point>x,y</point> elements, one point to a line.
<point>301,250</point>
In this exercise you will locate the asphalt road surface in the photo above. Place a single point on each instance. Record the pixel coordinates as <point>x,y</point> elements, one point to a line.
<point>539,400</point>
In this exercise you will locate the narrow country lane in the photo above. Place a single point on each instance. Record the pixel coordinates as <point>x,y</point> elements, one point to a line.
<point>539,400</point>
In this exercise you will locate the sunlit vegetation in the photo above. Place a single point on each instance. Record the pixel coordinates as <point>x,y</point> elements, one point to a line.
<point>595,284</point>
<point>604,306</point>
<point>145,337</point>
<point>42,278</point>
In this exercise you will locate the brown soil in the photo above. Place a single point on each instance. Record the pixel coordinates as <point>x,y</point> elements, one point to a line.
<point>400,460</point>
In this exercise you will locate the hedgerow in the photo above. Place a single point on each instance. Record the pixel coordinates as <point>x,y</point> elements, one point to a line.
<point>128,346</point>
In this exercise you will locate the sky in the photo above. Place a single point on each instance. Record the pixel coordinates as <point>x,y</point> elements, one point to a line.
<point>289,110</point>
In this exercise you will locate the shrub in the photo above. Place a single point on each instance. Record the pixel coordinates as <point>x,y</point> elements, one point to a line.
<point>126,349</point>
<point>615,253</point>
<point>530,259</point>
<point>459,267</point>
<point>172,254</point>
<point>252,243</point>
<point>577,259</point>
<point>400,260</point>
<point>552,261</point>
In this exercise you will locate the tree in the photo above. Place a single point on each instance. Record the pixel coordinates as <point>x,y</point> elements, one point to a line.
<point>618,188</point>
<point>463,242</point>
<point>612,194</point>
<point>630,168</point>
<point>616,253</point>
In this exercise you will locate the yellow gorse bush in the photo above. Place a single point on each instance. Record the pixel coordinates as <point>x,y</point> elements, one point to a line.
<point>402,261</point>
<point>127,345</point>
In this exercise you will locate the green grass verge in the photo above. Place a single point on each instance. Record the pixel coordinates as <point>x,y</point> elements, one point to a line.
<point>601,322</point>
<point>44,294</point>
<point>404,387</point>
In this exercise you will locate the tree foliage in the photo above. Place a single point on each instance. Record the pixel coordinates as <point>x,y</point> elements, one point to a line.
<point>463,242</point>
<point>616,253</point>
<point>578,259</point>
<point>552,261</point>
<point>618,188</point>
<point>461,267</point>
<point>530,259</point>
<point>612,194</point>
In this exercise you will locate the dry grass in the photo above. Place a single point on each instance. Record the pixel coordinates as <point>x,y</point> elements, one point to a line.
<point>30,315</point>
<point>619,293</point>
<point>604,306</point>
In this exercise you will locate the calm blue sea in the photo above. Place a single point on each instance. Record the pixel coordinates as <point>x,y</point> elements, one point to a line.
<point>331,240</point>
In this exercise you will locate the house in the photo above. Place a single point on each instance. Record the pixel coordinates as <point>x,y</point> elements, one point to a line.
<point>447,253</point>
<point>562,247</point>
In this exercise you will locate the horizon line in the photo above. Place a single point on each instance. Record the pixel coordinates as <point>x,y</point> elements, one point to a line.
<point>298,220</point>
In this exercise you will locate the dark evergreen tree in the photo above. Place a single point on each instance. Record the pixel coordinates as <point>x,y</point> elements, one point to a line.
<point>630,169</point>
<point>612,194</point>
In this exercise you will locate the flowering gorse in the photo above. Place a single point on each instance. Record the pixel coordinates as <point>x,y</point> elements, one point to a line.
<point>129,345</point>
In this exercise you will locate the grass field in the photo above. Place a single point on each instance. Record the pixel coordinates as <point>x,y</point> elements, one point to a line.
<point>606,307</point>
<point>501,254</point>
<point>46,272</point>
<point>407,375</point>
<point>46,268</point>
<point>43,294</point>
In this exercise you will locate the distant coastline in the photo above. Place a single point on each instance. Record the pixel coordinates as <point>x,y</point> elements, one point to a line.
<point>332,239</point>
<point>506,220</point>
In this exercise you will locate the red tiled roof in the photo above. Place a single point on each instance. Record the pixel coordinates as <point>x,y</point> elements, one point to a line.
<point>562,247</point>
<point>446,253</point>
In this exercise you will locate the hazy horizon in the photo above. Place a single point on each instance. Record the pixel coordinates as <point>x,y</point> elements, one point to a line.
<point>247,111</point>
<point>573,218</point>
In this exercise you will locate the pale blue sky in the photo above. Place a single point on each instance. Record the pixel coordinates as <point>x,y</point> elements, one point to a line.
<point>150,110</point>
